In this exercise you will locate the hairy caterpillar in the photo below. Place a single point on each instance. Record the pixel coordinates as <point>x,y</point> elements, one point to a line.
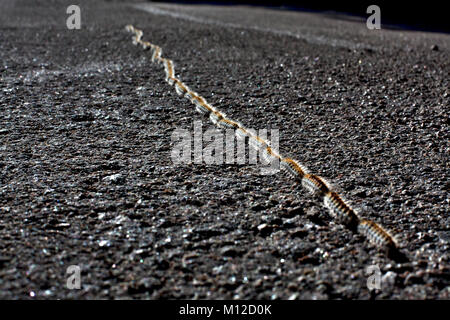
<point>315,184</point>
<point>242,133</point>
<point>196,99</point>
<point>228,124</point>
<point>202,108</point>
<point>146,45</point>
<point>200,103</point>
<point>258,143</point>
<point>216,116</point>
<point>168,65</point>
<point>381,238</point>
<point>180,88</point>
<point>376,234</point>
<point>338,207</point>
<point>269,155</point>
<point>295,170</point>
<point>191,95</point>
<point>137,38</point>
<point>341,210</point>
<point>272,153</point>
<point>156,54</point>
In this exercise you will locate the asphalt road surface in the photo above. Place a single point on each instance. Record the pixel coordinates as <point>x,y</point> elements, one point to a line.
<point>86,176</point>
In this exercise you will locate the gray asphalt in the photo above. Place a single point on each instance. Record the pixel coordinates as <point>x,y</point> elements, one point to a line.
<point>86,177</point>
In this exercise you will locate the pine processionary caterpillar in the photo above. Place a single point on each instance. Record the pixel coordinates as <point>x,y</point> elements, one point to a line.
<point>180,88</point>
<point>341,210</point>
<point>376,234</point>
<point>315,184</point>
<point>137,39</point>
<point>203,108</point>
<point>294,169</point>
<point>272,153</point>
<point>269,155</point>
<point>216,116</point>
<point>168,65</point>
<point>228,124</point>
<point>258,143</point>
<point>191,95</point>
<point>200,103</point>
<point>242,133</point>
<point>146,45</point>
<point>338,207</point>
<point>156,54</point>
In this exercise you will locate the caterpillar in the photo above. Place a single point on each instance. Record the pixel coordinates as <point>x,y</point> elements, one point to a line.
<point>295,170</point>
<point>341,210</point>
<point>315,184</point>
<point>381,238</point>
<point>200,104</point>
<point>337,207</point>
<point>376,234</point>
<point>216,116</point>
<point>228,124</point>
<point>180,88</point>
<point>242,133</point>
<point>258,143</point>
<point>269,155</point>
<point>168,66</point>
<point>156,54</point>
<point>191,95</point>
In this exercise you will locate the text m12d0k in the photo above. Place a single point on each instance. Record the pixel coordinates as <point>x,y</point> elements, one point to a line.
<point>250,309</point>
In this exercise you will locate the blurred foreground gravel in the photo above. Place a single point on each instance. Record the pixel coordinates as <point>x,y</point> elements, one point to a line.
<point>86,176</point>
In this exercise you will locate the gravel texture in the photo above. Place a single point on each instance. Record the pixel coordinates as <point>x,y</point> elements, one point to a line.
<point>86,176</point>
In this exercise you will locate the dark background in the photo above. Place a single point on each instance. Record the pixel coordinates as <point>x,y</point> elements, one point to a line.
<point>423,15</point>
